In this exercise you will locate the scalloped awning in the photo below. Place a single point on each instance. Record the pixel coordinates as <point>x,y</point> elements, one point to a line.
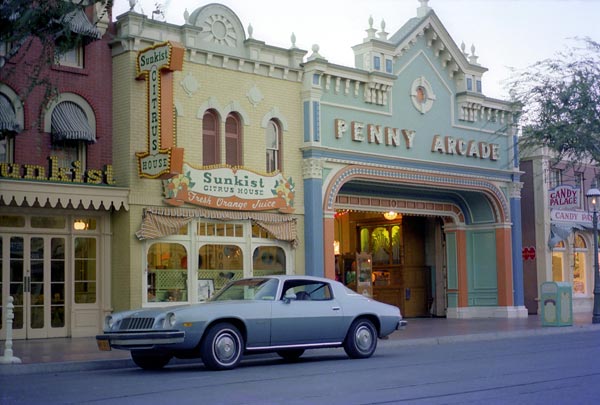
<point>59,195</point>
<point>164,221</point>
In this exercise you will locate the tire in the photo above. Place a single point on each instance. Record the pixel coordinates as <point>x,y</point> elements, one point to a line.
<point>291,355</point>
<point>150,361</point>
<point>361,340</point>
<point>222,347</point>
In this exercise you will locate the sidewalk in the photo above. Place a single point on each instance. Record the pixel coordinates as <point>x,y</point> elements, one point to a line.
<point>78,354</point>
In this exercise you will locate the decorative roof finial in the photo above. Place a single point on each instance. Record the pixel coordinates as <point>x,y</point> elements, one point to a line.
<point>383,35</point>
<point>293,38</point>
<point>423,9</point>
<point>473,58</point>
<point>370,31</point>
<point>250,31</point>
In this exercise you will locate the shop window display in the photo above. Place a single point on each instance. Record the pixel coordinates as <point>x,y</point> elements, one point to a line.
<point>167,273</point>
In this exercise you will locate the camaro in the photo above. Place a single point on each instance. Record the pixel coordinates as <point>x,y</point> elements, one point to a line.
<point>282,314</point>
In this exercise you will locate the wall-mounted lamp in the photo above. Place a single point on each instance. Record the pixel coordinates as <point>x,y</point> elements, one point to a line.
<point>390,215</point>
<point>79,225</point>
<point>336,247</point>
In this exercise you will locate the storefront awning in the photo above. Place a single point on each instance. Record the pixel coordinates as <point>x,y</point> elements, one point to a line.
<point>58,195</point>
<point>69,123</point>
<point>8,118</point>
<point>78,23</point>
<point>164,221</point>
<point>560,232</point>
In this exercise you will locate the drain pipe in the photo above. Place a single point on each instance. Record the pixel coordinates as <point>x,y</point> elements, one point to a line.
<point>8,357</point>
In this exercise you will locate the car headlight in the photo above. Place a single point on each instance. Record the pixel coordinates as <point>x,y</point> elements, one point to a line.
<point>170,320</point>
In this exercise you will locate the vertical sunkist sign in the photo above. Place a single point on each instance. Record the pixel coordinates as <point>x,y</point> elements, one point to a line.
<point>155,65</point>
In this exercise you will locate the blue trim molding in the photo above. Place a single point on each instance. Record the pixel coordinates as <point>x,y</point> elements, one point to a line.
<point>313,228</point>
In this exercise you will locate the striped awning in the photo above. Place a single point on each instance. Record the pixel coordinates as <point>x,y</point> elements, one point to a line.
<point>8,118</point>
<point>78,23</point>
<point>69,123</point>
<point>164,221</point>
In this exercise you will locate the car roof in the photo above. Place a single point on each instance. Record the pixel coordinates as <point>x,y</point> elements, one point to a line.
<point>295,277</point>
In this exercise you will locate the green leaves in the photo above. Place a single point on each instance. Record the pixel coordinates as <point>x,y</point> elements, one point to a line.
<point>560,101</point>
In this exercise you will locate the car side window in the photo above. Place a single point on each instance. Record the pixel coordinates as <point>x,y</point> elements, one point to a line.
<point>307,290</point>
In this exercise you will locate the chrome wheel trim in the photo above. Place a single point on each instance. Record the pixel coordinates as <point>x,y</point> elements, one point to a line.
<point>226,347</point>
<point>363,338</point>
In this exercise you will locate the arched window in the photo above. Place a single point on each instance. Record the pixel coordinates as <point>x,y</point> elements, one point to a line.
<point>72,125</point>
<point>580,251</point>
<point>233,141</point>
<point>11,122</point>
<point>273,144</point>
<point>210,138</point>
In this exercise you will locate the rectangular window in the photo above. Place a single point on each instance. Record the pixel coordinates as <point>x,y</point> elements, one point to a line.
<point>85,276</point>
<point>388,66</point>
<point>72,58</point>
<point>469,84</point>
<point>12,221</point>
<point>48,222</point>
<point>555,178</point>
<point>316,79</point>
<point>376,63</point>
<point>478,84</point>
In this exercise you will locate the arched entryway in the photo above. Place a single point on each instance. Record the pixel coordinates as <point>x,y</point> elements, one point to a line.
<point>461,224</point>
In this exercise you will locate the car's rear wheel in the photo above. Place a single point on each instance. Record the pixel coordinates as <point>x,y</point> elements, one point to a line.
<point>291,355</point>
<point>222,347</point>
<point>361,340</point>
<point>150,361</point>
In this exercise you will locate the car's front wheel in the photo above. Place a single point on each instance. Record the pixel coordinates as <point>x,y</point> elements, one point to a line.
<point>291,355</point>
<point>150,361</point>
<point>361,340</point>
<point>222,347</point>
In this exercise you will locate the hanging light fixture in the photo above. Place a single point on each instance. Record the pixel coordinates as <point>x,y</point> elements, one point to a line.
<point>390,215</point>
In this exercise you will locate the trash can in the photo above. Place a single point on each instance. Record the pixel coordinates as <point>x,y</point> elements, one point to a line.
<point>557,304</point>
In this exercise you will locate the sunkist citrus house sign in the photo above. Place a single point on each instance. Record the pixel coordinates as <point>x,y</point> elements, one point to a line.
<point>154,65</point>
<point>230,188</point>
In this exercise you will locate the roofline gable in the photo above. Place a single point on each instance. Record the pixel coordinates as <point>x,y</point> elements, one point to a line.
<point>441,42</point>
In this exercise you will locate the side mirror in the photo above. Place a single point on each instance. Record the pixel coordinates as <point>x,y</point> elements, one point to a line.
<point>289,296</point>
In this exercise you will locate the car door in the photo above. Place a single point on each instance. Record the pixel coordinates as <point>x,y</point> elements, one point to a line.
<point>317,319</point>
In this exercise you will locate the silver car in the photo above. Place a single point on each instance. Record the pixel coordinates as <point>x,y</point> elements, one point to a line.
<point>282,314</point>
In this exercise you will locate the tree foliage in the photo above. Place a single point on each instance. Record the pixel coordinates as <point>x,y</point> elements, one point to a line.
<point>560,103</point>
<point>25,23</point>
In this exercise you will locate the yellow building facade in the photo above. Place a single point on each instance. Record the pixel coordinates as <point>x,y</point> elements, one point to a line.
<point>207,138</point>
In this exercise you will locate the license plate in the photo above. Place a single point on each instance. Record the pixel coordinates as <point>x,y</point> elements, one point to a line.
<point>103,345</point>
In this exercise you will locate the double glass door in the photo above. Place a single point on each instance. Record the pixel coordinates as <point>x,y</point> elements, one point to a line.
<point>33,271</point>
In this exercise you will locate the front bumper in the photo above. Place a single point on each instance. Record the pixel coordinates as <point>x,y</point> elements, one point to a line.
<point>139,340</point>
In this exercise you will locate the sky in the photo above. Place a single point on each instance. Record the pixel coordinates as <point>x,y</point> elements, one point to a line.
<point>507,34</point>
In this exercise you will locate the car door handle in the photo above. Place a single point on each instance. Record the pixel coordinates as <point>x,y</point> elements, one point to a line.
<point>335,308</point>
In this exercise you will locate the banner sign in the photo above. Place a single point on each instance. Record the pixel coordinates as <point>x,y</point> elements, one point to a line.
<point>581,217</point>
<point>230,188</point>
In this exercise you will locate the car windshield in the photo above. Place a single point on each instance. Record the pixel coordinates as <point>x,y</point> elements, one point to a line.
<point>248,289</point>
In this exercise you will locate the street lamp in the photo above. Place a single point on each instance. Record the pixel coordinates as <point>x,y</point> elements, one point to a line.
<point>593,197</point>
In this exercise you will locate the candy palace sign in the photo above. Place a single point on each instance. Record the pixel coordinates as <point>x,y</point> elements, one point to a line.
<point>564,197</point>
<point>230,188</point>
